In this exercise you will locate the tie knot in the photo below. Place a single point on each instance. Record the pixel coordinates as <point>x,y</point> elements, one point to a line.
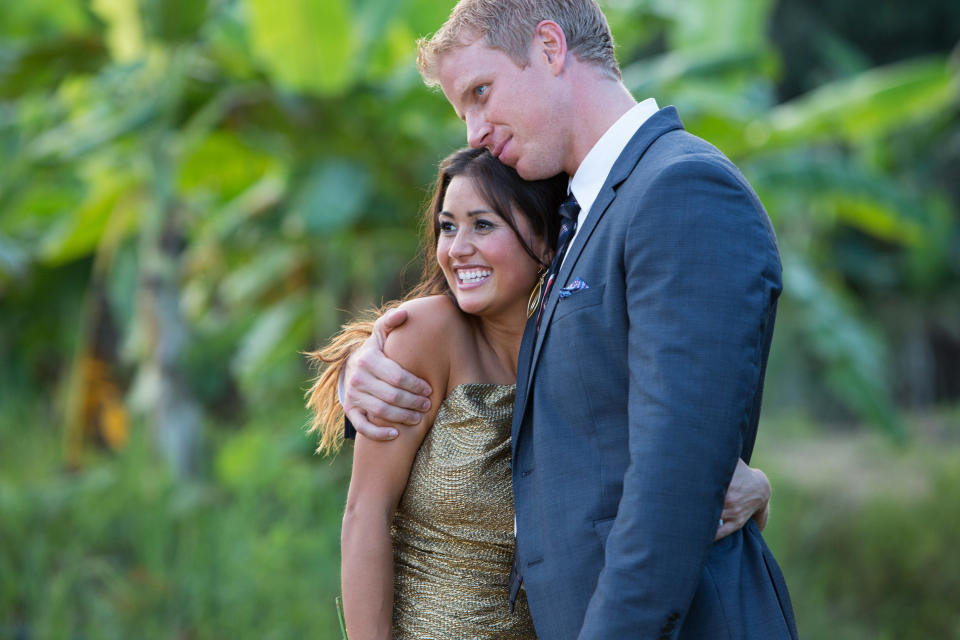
<point>570,208</point>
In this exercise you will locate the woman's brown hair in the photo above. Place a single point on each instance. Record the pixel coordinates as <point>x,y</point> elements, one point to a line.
<point>506,193</point>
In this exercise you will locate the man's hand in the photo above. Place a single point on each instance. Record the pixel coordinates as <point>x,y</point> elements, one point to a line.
<point>376,387</point>
<point>747,496</point>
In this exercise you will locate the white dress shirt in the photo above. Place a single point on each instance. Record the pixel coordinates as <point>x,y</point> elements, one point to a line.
<point>593,171</point>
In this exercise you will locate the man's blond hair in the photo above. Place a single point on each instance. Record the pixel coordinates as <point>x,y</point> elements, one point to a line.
<point>509,25</point>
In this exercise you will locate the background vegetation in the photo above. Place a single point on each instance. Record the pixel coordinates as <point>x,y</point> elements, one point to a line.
<point>192,192</point>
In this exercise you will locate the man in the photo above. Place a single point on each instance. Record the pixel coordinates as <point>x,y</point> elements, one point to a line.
<point>640,377</point>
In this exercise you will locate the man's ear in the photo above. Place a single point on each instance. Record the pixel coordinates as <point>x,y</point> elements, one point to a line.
<point>550,44</point>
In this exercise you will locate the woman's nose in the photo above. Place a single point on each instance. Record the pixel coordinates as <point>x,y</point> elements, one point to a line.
<point>461,245</point>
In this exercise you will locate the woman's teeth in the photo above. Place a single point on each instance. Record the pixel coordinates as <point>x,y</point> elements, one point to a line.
<point>472,275</point>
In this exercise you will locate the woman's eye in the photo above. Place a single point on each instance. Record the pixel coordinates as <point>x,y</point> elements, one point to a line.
<point>483,225</point>
<point>481,90</point>
<point>446,227</point>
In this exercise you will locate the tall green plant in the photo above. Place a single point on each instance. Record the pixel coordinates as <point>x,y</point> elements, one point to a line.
<point>281,149</point>
<point>225,168</point>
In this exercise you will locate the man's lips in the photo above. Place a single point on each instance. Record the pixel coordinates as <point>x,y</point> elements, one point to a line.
<point>499,148</point>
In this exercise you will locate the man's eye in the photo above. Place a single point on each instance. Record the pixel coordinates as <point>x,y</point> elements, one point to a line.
<point>481,90</point>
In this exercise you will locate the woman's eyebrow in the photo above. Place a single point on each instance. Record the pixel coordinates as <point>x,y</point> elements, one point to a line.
<point>472,212</point>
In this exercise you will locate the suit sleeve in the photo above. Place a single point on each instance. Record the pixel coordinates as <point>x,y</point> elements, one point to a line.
<point>702,277</point>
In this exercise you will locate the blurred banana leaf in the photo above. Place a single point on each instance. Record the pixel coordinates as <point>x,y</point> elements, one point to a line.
<point>307,46</point>
<point>865,107</point>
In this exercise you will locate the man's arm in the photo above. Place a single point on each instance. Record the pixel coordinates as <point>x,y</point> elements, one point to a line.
<point>374,387</point>
<point>702,275</point>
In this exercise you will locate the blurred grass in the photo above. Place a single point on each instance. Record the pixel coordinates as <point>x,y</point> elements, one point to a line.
<point>865,532</point>
<point>122,550</point>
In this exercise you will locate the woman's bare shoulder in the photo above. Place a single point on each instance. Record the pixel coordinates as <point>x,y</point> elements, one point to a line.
<point>433,309</point>
<point>434,329</point>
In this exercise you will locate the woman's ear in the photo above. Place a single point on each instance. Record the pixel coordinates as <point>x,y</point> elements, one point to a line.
<point>543,251</point>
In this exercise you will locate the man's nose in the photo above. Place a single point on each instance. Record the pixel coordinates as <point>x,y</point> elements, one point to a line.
<point>478,131</point>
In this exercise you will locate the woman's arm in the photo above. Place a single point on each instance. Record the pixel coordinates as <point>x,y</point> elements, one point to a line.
<point>381,470</point>
<point>748,496</point>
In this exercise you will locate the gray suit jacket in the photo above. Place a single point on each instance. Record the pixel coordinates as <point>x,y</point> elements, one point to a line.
<point>635,400</point>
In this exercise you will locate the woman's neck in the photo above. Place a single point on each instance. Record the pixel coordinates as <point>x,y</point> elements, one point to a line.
<point>503,335</point>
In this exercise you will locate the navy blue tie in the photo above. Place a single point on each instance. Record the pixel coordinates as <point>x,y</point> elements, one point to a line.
<point>569,211</point>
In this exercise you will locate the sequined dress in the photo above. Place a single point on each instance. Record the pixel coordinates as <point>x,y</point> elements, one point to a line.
<point>453,530</point>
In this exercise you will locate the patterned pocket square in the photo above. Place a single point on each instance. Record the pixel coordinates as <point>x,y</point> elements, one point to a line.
<point>572,288</point>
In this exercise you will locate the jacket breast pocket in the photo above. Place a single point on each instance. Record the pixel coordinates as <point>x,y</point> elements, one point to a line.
<point>579,300</point>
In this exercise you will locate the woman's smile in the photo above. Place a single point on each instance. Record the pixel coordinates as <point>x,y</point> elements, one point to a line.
<point>472,276</point>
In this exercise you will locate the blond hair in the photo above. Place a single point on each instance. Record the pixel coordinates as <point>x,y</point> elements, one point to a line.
<point>508,25</point>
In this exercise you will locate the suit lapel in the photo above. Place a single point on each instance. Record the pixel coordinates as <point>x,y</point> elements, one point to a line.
<point>658,124</point>
<point>526,350</point>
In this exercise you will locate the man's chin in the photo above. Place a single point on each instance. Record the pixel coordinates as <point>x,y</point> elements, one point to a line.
<point>527,172</point>
<point>532,167</point>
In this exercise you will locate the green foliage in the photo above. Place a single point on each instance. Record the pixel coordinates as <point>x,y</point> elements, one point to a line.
<point>123,550</point>
<point>865,537</point>
<point>863,108</point>
<point>287,205</point>
<point>174,20</point>
<point>237,176</point>
<point>266,127</point>
<point>850,346</point>
<point>307,46</point>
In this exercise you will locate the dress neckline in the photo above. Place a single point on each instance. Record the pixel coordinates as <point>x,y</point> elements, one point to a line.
<point>480,384</point>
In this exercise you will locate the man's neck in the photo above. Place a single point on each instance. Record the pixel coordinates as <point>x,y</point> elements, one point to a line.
<point>599,102</point>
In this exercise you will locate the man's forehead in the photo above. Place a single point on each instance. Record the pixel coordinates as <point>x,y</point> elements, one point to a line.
<point>464,66</point>
<point>464,60</point>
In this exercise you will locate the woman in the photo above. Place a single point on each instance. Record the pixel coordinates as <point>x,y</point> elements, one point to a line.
<point>428,530</point>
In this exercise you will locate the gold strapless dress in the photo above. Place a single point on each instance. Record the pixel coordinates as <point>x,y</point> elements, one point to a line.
<point>453,530</point>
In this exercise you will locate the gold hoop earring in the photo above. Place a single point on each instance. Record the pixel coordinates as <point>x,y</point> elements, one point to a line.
<point>534,301</point>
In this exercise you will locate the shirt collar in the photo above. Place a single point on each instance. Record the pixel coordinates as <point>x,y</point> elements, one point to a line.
<point>592,173</point>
